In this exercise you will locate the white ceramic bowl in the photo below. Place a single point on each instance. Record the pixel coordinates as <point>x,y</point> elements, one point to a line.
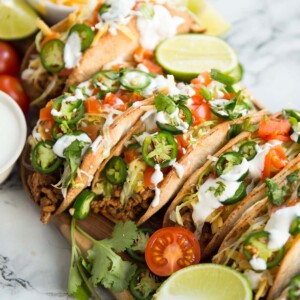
<point>13,131</point>
<point>51,12</point>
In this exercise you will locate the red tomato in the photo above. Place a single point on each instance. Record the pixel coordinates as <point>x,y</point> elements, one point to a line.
<point>92,106</point>
<point>13,87</point>
<point>9,60</point>
<point>201,113</point>
<point>271,129</point>
<point>182,143</point>
<point>147,177</point>
<point>130,155</point>
<point>170,249</point>
<point>91,130</point>
<point>275,161</point>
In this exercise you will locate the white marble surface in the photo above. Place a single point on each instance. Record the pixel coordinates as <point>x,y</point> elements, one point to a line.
<point>34,258</point>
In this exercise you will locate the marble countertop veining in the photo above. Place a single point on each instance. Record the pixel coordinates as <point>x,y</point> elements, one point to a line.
<point>34,258</point>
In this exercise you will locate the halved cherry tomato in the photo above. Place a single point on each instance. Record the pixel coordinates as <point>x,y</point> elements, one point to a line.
<point>92,106</point>
<point>147,177</point>
<point>91,130</point>
<point>275,161</point>
<point>9,60</point>
<point>13,87</point>
<point>200,113</point>
<point>141,53</point>
<point>272,129</point>
<point>152,67</point>
<point>170,249</point>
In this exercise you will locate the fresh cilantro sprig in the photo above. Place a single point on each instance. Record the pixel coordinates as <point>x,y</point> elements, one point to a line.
<point>102,265</point>
<point>218,191</point>
<point>276,194</point>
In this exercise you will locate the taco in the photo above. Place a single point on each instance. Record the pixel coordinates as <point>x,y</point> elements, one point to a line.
<point>292,290</point>
<point>99,33</point>
<point>170,141</point>
<point>264,244</point>
<point>77,131</point>
<point>215,197</point>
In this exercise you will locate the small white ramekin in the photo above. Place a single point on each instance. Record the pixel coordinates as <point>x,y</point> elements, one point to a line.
<point>19,120</point>
<point>51,12</point>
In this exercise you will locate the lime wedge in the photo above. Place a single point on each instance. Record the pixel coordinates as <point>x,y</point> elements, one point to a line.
<point>17,19</point>
<point>212,20</point>
<point>187,55</point>
<point>205,282</point>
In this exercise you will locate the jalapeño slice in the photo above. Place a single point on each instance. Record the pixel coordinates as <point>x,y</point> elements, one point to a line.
<point>44,160</point>
<point>184,114</point>
<point>160,148</point>
<point>107,81</point>
<point>238,195</point>
<point>82,204</point>
<point>115,170</point>
<point>52,56</point>
<point>257,245</point>
<point>67,111</point>
<point>227,161</point>
<point>85,33</point>
<point>295,226</point>
<point>135,80</point>
<point>294,288</point>
<point>248,150</point>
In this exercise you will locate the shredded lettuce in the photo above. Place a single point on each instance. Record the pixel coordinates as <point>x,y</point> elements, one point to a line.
<point>135,175</point>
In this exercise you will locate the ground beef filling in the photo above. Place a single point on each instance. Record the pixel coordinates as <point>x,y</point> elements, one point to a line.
<point>132,210</point>
<point>44,194</point>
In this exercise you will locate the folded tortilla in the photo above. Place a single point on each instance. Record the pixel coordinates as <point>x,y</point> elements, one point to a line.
<point>105,48</point>
<point>221,219</point>
<point>254,219</point>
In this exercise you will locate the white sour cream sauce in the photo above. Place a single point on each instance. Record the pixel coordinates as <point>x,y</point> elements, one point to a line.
<point>208,202</point>
<point>162,26</point>
<point>72,51</point>
<point>237,171</point>
<point>178,168</point>
<point>279,225</point>
<point>66,140</point>
<point>258,263</point>
<point>254,278</point>
<point>256,165</point>
<point>156,178</point>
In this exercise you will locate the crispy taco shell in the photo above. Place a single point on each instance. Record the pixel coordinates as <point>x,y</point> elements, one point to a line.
<point>107,49</point>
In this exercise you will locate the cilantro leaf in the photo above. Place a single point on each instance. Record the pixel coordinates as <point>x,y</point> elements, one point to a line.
<point>234,130</point>
<point>275,194</point>
<point>75,280</point>
<point>164,103</point>
<point>221,77</point>
<point>73,155</point>
<point>107,267</point>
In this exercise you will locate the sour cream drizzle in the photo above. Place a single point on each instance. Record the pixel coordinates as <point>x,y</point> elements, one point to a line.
<point>156,178</point>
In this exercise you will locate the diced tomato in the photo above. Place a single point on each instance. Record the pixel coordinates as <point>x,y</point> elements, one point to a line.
<point>228,96</point>
<point>152,67</point>
<point>46,129</point>
<point>202,79</point>
<point>201,113</point>
<point>45,112</point>
<point>182,144</point>
<point>275,161</point>
<point>197,99</point>
<point>92,106</point>
<point>129,97</point>
<point>130,155</point>
<point>65,72</point>
<point>91,130</point>
<point>147,177</point>
<point>271,129</point>
<point>54,35</point>
<point>112,100</point>
<point>141,53</point>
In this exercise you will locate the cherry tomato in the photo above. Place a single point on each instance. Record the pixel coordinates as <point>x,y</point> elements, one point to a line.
<point>13,87</point>
<point>170,249</point>
<point>9,60</point>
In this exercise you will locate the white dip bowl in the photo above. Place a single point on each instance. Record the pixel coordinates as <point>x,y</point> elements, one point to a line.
<point>13,131</point>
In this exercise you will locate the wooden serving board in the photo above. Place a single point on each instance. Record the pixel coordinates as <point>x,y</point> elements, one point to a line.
<point>96,226</point>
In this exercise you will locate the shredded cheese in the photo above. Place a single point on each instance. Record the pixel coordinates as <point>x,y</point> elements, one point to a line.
<point>46,30</point>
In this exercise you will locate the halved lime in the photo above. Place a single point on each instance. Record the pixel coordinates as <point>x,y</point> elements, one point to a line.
<point>237,73</point>
<point>187,55</point>
<point>205,282</point>
<point>17,19</point>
